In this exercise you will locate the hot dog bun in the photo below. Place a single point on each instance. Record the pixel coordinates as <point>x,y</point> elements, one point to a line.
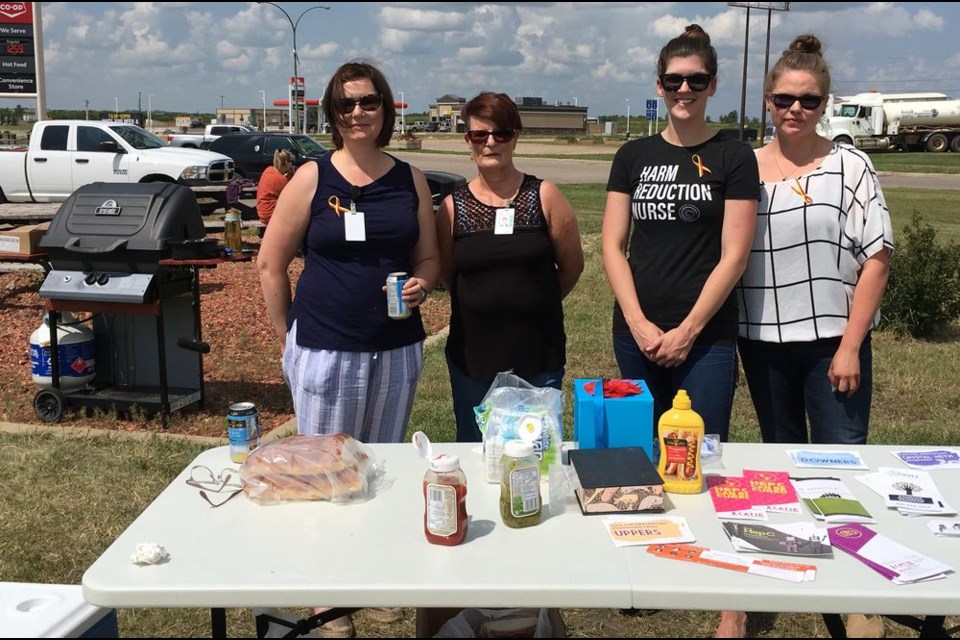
<point>321,467</point>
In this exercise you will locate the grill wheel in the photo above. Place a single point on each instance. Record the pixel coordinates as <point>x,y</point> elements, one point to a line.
<point>48,404</point>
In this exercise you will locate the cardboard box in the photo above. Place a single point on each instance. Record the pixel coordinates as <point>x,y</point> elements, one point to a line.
<point>616,480</point>
<point>23,240</point>
<point>612,422</point>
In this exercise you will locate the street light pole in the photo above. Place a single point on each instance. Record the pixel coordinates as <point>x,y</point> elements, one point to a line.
<point>295,99</point>
<point>263,100</point>
<point>150,111</point>
<point>575,101</point>
<point>403,108</point>
<point>628,117</point>
<point>116,107</point>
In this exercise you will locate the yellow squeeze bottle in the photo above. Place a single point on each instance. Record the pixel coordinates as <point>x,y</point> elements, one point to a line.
<point>681,433</point>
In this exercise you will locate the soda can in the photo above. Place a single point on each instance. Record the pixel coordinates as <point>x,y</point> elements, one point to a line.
<point>396,307</point>
<point>243,430</point>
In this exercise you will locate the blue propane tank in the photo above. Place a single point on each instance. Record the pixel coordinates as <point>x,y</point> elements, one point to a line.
<point>74,349</point>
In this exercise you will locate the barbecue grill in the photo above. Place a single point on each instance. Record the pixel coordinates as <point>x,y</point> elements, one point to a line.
<point>109,247</point>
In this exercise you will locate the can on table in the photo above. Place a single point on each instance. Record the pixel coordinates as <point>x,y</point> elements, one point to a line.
<point>243,430</point>
<point>396,307</point>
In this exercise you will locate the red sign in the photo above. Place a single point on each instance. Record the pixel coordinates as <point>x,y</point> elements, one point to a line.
<point>16,13</point>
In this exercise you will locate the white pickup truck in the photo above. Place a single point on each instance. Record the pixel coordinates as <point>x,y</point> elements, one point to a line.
<point>210,133</point>
<point>64,155</point>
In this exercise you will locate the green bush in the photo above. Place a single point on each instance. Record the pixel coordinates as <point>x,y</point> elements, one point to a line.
<point>923,292</point>
<point>567,139</point>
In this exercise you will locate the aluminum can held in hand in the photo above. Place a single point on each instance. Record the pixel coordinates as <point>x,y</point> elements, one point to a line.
<point>396,307</point>
<point>243,430</point>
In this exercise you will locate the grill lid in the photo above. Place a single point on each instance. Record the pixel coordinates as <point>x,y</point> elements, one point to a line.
<point>104,224</point>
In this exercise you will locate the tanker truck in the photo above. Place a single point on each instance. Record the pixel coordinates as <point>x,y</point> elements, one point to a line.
<point>873,121</point>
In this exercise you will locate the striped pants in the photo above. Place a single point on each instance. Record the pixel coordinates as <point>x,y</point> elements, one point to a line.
<point>368,395</point>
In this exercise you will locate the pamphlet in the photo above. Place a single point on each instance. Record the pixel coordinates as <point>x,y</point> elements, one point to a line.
<point>892,560</point>
<point>943,527</point>
<point>808,458</point>
<point>829,499</point>
<point>910,491</point>
<point>792,539</point>
<point>631,530</point>
<point>772,491</point>
<point>790,571</point>
<point>731,498</point>
<point>929,459</point>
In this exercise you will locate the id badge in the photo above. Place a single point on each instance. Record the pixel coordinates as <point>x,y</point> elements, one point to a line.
<point>354,227</point>
<point>504,222</point>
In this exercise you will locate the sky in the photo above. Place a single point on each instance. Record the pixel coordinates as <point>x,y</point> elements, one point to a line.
<point>195,57</point>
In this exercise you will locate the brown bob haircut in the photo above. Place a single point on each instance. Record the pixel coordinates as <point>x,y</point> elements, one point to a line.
<point>334,99</point>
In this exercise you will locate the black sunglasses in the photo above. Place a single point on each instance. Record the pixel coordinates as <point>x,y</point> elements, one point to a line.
<point>696,81</point>
<point>477,136</point>
<point>808,101</point>
<point>369,102</point>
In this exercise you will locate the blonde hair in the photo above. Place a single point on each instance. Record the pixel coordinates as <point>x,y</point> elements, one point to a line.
<point>805,53</point>
<point>282,160</point>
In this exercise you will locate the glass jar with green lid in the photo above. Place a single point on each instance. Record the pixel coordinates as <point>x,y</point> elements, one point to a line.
<point>519,485</point>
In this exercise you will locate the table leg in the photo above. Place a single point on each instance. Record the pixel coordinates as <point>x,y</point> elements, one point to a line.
<point>835,625</point>
<point>218,623</point>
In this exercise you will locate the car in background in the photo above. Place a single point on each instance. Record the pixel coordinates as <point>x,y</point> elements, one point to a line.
<point>769,134</point>
<point>252,153</point>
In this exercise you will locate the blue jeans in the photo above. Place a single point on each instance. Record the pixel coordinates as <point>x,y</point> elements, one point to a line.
<point>468,392</point>
<point>788,383</point>
<point>709,375</point>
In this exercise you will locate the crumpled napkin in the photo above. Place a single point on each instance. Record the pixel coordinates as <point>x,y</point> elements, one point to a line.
<point>149,553</point>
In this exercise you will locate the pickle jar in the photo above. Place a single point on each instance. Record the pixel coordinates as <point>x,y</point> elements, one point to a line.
<point>445,501</point>
<point>519,485</point>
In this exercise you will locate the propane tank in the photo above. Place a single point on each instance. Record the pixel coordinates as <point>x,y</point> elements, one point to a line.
<point>75,353</point>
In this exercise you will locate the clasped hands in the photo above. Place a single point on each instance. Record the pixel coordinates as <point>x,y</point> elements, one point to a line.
<point>663,348</point>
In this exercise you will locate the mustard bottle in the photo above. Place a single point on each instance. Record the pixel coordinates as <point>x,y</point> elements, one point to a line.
<point>681,433</point>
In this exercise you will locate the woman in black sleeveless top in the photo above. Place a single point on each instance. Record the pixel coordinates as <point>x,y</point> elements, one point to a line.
<point>510,252</point>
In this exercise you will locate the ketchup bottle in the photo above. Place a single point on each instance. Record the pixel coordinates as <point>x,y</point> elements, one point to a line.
<point>445,501</point>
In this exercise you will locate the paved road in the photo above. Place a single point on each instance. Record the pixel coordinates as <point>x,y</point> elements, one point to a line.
<point>571,170</point>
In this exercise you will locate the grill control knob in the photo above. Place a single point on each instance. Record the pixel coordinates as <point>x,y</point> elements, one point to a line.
<point>90,278</point>
<point>102,279</point>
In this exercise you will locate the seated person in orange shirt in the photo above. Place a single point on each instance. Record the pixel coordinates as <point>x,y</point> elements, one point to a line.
<point>272,182</point>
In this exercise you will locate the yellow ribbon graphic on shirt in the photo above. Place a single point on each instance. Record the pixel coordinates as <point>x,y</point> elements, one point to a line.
<point>698,163</point>
<point>803,194</point>
<point>334,203</point>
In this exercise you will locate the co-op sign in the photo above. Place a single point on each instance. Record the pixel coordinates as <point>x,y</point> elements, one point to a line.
<point>18,69</point>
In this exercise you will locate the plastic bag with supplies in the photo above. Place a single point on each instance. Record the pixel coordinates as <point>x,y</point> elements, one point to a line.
<point>514,409</point>
<point>504,623</point>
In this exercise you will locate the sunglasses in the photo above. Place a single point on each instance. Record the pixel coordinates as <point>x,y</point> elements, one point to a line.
<point>695,81</point>
<point>369,102</point>
<point>808,101</point>
<point>477,136</point>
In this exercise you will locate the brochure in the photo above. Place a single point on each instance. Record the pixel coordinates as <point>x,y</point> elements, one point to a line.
<point>829,499</point>
<point>792,539</point>
<point>892,560</point>
<point>929,459</point>
<point>731,498</point>
<point>909,491</point>
<point>772,491</point>
<point>949,528</point>
<point>791,571</point>
<point>629,530</point>
<point>808,458</point>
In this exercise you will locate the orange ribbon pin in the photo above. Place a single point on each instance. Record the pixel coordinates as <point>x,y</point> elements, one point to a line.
<point>334,203</point>
<point>803,194</point>
<point>698,163</point>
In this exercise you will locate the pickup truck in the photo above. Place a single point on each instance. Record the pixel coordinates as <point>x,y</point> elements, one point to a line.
<point>210,133</point>
<point>64,155</point>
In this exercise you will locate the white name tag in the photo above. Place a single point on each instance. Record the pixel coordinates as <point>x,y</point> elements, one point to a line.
<point>354,228</point>
<point>504,221</point>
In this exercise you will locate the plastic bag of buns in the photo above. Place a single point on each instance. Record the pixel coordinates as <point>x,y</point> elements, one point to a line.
<point>334,467</point>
